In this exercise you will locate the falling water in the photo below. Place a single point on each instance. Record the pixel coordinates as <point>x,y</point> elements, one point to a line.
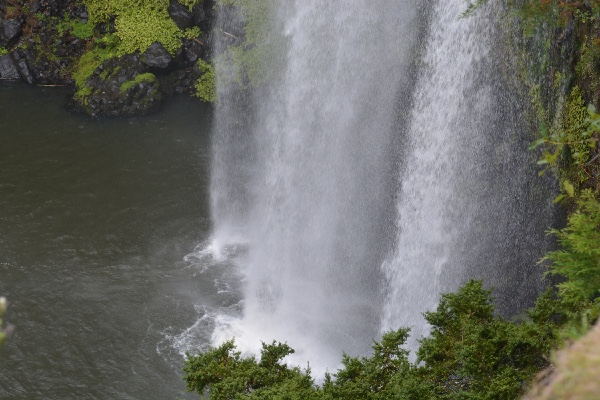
<point>466,205</point>
<point>316,190</point>
<point>347,162</point>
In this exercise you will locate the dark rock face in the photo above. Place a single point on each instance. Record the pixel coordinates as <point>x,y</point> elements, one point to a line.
<point>180,81</point>
<point>193,50</point>
<point>181,15</point>
<point>21,65</point>
<point>7,68</point>
<point>203,13</point>
<point>117,91</point>
<point>10,30</point>
<point>156,56</point>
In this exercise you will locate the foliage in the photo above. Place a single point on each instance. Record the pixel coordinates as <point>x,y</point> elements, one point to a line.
<point>192,33</point>
<point>206,85</point>
<point>229,376</point>
<point>139,23</point>
<point>472,353</point>
<point>147,77</point>
<point>578,260</point>
<point>569,148</point>
<point>3,51</point>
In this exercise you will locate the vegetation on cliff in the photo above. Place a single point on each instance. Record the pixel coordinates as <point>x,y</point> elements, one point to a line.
<point>66,42</point>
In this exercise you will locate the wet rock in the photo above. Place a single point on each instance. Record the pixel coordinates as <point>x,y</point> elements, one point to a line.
<point>10,30</point>
<point>20,63</point>
<point>7,68</point>
<point>199,14</point>
<point>203,13</point>
<point>157,57</point>
<point>180,81</point>
<point>120,87</point>
<point>181,15</point>
<point>193,49</point>
<point>34,6</point>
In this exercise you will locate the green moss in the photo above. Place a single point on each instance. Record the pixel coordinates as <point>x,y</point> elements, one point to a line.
<point>81,30</point>
<point>192,33</point>
<point>82,95</point>
<point>574,124</point>
<point>138,30</point>
<point>588,67</point>
<point>77,28</point>
<point>139,23</point>
<point>205,86</point>
<point>102,50</point>
<point>147,77</point>
<point>3,51</point>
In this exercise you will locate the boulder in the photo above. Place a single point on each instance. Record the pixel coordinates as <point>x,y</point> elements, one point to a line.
<point>157,57</point>
<point>20,64</point>
<point>10,30</point>
<point>120,87</point>
<point>193,50</point>
<point>203,13</point>
<point>181,15</point>
<point>7,68</point>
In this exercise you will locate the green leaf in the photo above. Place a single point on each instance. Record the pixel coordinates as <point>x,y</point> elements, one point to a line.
<point>537,143</point>
<point>591,109</point>
<point>569,188</point>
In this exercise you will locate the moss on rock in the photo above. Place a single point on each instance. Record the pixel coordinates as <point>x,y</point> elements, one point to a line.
<point>574,375</point>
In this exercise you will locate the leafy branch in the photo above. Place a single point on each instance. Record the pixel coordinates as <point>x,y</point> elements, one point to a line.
<point>557,143</point>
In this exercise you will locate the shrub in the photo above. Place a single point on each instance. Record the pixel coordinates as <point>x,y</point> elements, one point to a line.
<point>578,260</point>
<point>472,353</point>
<point>206,85</point>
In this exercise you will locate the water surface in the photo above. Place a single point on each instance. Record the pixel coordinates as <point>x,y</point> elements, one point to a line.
<point>96,217</point>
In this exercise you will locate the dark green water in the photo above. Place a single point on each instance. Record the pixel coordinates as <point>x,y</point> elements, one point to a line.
<point>95,220</point>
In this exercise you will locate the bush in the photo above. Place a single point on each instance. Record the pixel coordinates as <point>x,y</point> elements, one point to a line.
<point>578,260</point>
<point>206,85</point>
<point>472,353</point>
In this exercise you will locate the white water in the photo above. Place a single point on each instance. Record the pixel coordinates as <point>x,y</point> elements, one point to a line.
<point>437,203</point>
<point>358,194</point>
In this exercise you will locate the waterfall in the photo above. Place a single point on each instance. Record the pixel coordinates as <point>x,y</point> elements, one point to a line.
<point>351,191</point>
<point>467,204</point>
